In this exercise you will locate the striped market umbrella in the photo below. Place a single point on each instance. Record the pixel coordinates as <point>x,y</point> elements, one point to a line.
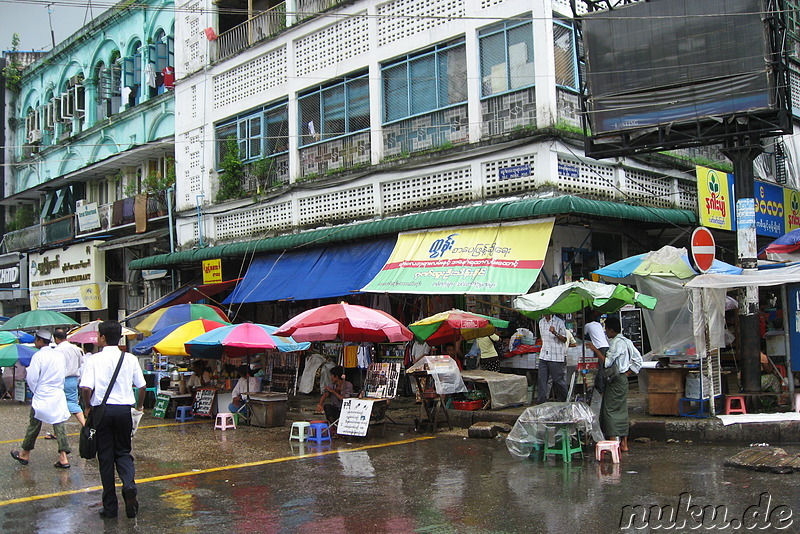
<point>173,344</point>
<point>240,340</point>
<point>13,352</point>
<point>451,325</point>
<point>181,313</point>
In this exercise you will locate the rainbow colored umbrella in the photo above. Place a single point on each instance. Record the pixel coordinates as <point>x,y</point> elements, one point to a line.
<point>181,313</point>
<point>452,325</point>
<point>173,344</point>
<point>241,340</point>
<point>13,352</point>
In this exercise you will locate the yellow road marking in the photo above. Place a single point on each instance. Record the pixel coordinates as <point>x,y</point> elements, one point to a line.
<point>140,428</point>
<point>215,469</point>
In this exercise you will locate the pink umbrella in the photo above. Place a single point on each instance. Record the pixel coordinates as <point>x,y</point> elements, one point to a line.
<point>345,322</point>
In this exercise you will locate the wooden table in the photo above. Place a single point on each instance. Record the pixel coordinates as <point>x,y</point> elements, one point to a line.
<point>433,404</point>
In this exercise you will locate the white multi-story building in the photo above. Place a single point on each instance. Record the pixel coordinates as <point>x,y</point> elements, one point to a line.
<point>305,115</point>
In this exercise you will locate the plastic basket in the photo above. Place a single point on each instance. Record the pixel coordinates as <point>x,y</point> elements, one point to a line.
<point>468,405</point>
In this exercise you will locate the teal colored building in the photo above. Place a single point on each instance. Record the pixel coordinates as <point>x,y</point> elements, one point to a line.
<point>90,136</point>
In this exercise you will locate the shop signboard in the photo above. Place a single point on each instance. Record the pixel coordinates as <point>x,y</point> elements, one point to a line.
<point>715,194</point>
<point>162,402</point>
<point>502,259</point>
<point>88,217</point>
<point>13,276</point>
<point>204,402</point>
<point>354,418</point>
<point>212,271</point>
<point>791,209</point>
<point>68,279</point>
<point>770,217</point>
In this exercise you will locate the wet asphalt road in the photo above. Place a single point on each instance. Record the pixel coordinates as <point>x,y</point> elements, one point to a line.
<point>195,479</point>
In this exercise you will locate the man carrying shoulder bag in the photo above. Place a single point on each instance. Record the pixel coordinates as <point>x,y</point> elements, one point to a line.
<point>114,426</point>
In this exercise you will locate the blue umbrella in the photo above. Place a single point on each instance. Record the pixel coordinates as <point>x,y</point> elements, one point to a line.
<point>625,268</point>
<point>22,337</point>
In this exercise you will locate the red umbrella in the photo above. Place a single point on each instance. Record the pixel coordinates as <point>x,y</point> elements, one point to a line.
<point>345,322</point>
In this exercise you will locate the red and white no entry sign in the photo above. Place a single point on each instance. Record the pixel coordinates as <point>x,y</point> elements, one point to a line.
<point>703,249</point>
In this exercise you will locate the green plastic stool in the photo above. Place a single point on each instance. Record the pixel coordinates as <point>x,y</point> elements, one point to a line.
<point>564,447</point>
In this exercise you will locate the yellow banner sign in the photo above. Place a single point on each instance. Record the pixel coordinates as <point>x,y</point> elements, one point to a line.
<point>502,259</point>
<point>715,197</point>
<point>212,271</point>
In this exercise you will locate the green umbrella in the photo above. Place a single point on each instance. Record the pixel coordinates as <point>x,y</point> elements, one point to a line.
<point>8,337</point>
<point>575,296</point>
<point>33,319</point>
<point>9,354</point>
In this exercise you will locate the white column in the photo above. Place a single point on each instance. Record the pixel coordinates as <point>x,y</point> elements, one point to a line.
<point>545,63</point>
<point>472,51</point>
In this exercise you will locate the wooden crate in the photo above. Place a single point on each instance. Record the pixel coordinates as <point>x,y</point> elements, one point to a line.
<point>663,403</point>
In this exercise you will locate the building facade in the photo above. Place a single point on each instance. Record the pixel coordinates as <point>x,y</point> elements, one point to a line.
<point>89,156</point>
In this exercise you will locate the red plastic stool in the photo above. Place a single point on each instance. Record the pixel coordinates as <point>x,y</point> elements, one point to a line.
<point>739,406</point>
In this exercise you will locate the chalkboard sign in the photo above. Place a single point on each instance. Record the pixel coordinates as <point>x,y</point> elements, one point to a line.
<point>204,402</point>
<point>162,402</point>
<point>354,419</point>
<point>631,321</point>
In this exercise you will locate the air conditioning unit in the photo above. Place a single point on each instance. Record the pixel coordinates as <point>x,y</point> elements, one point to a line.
<point>34,136</point>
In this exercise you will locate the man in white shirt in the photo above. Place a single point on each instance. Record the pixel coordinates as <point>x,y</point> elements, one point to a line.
<point>244,386</point>
<point>552,358</point>
<point>115,426</point>
<point>73,360</point>
<point>49,405</point>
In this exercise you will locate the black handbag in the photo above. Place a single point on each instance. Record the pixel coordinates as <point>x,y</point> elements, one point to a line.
<point>87,441</point>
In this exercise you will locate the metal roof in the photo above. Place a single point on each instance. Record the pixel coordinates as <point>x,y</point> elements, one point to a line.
<point>488,213</point>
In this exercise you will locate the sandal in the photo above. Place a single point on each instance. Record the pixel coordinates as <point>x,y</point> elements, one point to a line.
<point>48,435</point>
<point>61,466</point>
<point>15,455</point>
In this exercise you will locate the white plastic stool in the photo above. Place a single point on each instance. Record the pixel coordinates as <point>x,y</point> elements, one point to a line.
<point>797,402</point>
<point>607,445</point>
<point>302,430</point>
<point>225,421</point>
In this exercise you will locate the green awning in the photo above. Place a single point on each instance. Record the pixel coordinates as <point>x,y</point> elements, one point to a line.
<point>489,213</point>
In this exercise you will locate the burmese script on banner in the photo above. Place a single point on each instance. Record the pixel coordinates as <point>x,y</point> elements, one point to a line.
<point>501,259</point>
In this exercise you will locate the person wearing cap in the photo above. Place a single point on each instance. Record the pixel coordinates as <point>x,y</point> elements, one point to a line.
<point>73,358</point>
<point>49,405</point>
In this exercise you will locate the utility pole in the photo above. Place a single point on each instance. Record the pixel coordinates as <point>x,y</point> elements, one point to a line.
<point>742,151</point>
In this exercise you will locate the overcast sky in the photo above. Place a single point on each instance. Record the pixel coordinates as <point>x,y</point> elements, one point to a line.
<point>30,20</point>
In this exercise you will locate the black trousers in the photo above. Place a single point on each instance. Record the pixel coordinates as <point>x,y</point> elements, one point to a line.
<point>114,450</point>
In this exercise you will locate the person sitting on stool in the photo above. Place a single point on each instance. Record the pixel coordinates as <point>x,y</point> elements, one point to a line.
<point>341,389</point>
<point>244,386</point>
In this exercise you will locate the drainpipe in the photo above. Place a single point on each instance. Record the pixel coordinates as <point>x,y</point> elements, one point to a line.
<point>170,190</point>
<point>199,219</point>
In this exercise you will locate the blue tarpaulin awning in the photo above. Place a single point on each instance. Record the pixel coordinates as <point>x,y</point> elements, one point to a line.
<point>325,272</point>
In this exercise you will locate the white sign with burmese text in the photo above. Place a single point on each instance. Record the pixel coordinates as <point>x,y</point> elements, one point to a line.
<point>354,419</point>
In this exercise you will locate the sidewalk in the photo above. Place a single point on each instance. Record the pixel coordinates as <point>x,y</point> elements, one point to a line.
<point>403,410</point>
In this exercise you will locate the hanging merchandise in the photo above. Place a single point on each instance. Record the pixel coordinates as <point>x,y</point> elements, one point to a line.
<point>351,356</point>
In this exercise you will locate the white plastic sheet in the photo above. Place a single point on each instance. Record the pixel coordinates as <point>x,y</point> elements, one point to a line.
<point>528,431</point>
<point>445,372</point>
<point>504,389</point>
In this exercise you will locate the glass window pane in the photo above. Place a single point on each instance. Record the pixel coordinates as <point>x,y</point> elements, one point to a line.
<point>333,112</point>
<point>224,134</point>
<point>241,137</point>
<point>494,72</point>
<point>565,60</point>
<point>520,56</point>
<point>422,76</point>
<point>255,138</point>
<point>277,130</point>
<point>358,105</point>
<point>310,127</point>
<point>452,76</point>
<point>395,92</point>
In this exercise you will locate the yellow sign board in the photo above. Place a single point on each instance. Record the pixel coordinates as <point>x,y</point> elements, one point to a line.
<point>212,271</point>
<point>715,198</point>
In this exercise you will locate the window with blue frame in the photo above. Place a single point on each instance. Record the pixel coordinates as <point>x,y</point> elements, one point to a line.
<point>566,57</point>
<point>334,110</point>
<point>506,56</point>
<point>259,133</point>
<point>425,81</point>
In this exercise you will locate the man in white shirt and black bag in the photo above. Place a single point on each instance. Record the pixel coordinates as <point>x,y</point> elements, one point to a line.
<point>114,427</point>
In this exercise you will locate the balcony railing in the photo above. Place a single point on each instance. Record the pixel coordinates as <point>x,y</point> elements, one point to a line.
<point>264,25</point>
<point>58,230</point>
<point>309,8</point>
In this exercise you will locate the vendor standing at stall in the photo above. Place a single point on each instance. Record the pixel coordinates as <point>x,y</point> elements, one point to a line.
<point>552,358</point>
<point>620,361</point>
